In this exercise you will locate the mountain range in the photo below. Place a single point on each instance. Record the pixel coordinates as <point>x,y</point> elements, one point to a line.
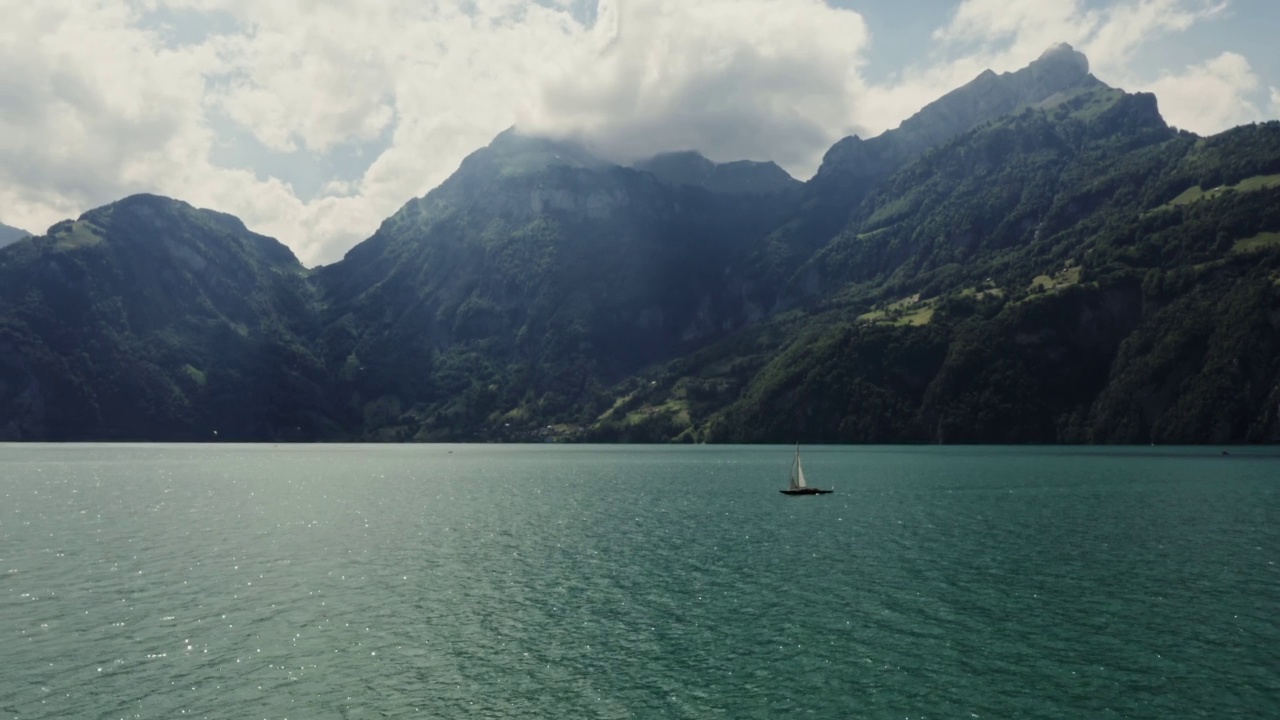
<point>1034,257</point>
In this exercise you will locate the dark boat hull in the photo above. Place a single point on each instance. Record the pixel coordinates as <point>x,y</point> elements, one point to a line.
<point>806,491</point>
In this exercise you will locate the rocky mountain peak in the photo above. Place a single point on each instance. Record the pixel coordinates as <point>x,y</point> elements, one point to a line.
<point>690,168</point>
<point>514,153</point>
<point>1059,68</point>
<point>992,95</point>
<point>1064,54</point>
<point>852,163</point>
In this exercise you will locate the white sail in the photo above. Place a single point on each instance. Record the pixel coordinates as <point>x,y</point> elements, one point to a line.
<point>797,472</point>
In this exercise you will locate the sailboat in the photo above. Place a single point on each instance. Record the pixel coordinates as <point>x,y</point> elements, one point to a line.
<point>797,486</point>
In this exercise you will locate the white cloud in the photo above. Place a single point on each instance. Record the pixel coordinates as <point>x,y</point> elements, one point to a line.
<point>1274,112</point>
<point>1209,97</point>
<point>1127,26</point>
<point>93,106</point>
<point>758,79</point>
<point>1025,24</point>
<point>1017,31</point>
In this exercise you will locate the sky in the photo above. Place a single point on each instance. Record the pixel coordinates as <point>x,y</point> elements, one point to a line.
<point>314,120</point>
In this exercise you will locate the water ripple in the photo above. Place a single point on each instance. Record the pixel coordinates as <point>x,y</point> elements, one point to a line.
<point>509,582</point>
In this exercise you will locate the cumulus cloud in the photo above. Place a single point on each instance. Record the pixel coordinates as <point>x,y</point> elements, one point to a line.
<point>1209,97</point>
<point>758,79</point>
<point>1125,27</point>
<point>1275,103</point>
<point>100,100</point>
<point>93,106</point>
<point>1018,30</point>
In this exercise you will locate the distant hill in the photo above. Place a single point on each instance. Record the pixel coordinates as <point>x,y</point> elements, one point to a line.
<point>148,319</point>
<point>11,234</point>
<point>1035,257</point>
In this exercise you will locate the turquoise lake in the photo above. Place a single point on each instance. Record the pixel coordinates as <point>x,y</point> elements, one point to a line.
<point>451,581</point>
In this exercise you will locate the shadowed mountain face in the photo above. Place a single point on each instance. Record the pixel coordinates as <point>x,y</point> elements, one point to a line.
<point>1035,257</point>
<point>10,234</point>
<point>149,319</point>
<point>536,277</point>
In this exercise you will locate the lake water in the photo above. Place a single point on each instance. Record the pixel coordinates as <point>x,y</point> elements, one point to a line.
<point>317,582</point>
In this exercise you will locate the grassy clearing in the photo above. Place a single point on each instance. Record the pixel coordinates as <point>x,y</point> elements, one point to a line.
<point>679,409</point>
<point>1261,241</point>
<point>616,404</point>
<point>1196,194</point>
<point>1082,104</point>
<point>978,294</point>
<point>900,206</point>
<point>1258,182</point>
<point>921,317</point>
<point>907,311</point>
<point>904,303</point>
<point>196,376</point>
<point>515,415</point>
<point>1187,197</point>
<point>80,234</point>
<point>1051,283</point>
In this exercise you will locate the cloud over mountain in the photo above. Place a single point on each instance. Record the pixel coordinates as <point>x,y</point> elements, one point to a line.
<point>315,121</point>
<point>753,79</point>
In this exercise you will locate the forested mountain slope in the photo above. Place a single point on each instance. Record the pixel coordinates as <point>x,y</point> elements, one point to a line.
<point>1085,288</point>
<point>150,320</point>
